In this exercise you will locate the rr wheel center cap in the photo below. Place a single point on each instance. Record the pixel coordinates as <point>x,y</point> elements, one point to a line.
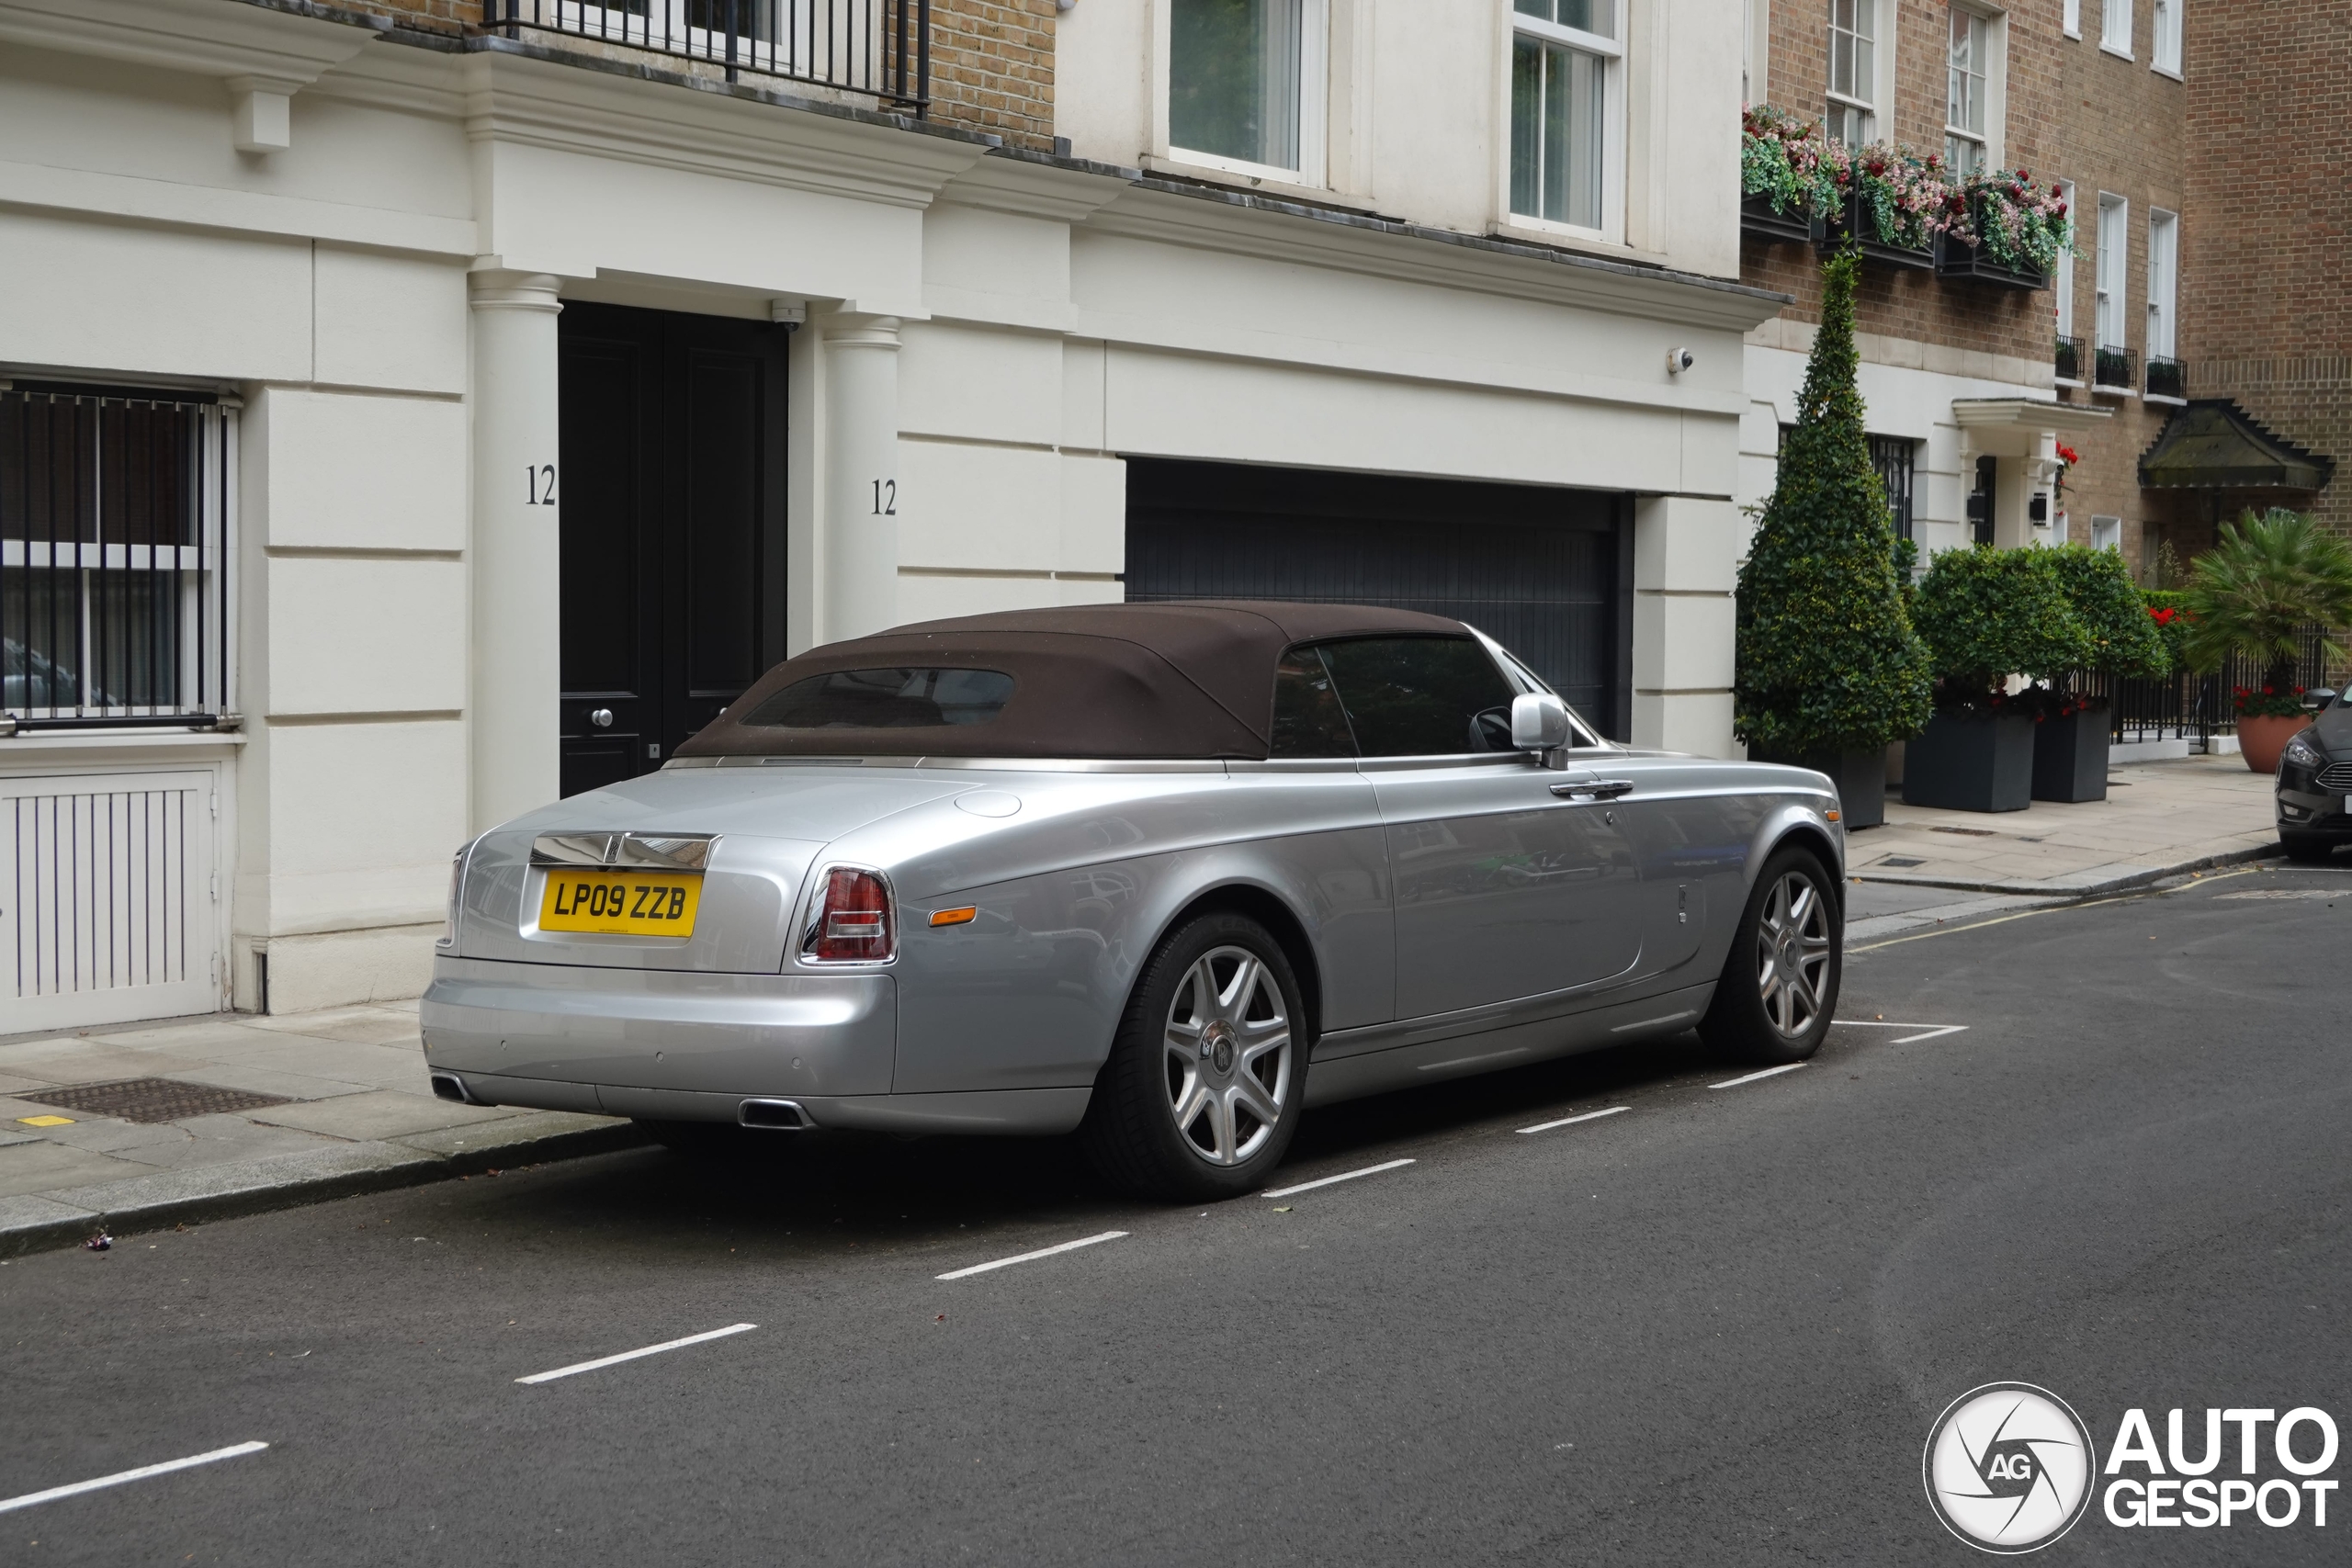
<point>1217,1045</point>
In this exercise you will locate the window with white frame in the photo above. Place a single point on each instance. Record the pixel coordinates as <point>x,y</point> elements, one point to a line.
<point>2165,51</point>
<point>1968,81</point>
<point>1564,56</point>
<point>2070,18</point>
<point>2163,274</point>
<point>2115,26</point>
<point>2061,282</point>
<point>117,527</point>
<point>2107,534</point>
<point>1247,85</point>
<point>1852,111</point>
<point>2114,212</point>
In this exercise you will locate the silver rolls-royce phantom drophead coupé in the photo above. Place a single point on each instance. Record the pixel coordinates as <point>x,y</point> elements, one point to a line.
<point>1166,874</point>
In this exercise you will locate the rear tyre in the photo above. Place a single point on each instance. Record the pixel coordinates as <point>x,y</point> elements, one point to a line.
<point>1779,990</point>
<point>2306,851</point>
<point>1207,1074</point>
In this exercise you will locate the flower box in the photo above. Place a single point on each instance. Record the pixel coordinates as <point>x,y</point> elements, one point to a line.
<point>1970,761</point>
<point>1957,258</point>
<point>2070,757</point>
<point>1758,221</point>
<point>1856,217</point>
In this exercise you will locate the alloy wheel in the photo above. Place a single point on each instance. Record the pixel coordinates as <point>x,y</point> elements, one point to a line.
<point>1227,1055</point>
<point>1793,955</point>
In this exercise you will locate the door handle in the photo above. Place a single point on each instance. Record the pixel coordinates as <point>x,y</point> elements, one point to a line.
<point>1594,789</point>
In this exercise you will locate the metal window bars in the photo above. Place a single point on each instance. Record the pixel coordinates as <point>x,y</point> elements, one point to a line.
<point>2114,368</point>
<point>878,47</point>
<point>2165,378</point>
<point>117,541</point>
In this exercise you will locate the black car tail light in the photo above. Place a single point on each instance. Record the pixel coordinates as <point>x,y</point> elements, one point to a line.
<point>852,921</point>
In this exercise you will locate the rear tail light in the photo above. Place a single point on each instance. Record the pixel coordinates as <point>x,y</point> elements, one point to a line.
<point>852,921</point>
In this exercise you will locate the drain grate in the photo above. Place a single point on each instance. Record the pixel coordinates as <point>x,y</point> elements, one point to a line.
<point>152,1099</point>
<point>1968,832</point>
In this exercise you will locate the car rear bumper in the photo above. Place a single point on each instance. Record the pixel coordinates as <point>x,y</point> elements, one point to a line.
<point>677,1045</point>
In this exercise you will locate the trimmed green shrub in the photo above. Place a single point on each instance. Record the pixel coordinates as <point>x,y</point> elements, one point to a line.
<point>2124,640</point>
<point>1988,614</point>
<point>1827,658</point>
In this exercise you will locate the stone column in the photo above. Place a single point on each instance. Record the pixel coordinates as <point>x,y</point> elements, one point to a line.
<point>862,500</point>
<point>1683,624</point>
<point>516,672</point>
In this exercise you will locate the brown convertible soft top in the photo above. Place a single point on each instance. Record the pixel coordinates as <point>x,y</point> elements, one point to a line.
<point>1192,679</point>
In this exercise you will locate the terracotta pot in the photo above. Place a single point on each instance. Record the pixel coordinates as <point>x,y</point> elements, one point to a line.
<point>2260,739</point>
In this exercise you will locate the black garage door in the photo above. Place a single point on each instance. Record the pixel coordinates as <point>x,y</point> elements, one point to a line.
<point>1548,573</point>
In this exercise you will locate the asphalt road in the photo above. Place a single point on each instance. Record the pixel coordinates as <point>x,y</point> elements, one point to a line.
<point>1714,1327</point>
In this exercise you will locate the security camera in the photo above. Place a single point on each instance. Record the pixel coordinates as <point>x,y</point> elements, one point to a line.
<point>1678,360</point>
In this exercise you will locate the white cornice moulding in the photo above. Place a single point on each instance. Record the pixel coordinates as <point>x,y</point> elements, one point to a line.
<point>263,56</point>
<point>82,192</point>
<point>1026,189</point>
<point>561,108</point>
<point>1210,224</point>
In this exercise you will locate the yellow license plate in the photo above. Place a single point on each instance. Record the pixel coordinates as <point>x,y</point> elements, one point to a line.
<point>621,903</point>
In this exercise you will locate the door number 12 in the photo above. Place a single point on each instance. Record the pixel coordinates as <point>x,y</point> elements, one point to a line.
<point>541,477</point>
<point>886,498</point>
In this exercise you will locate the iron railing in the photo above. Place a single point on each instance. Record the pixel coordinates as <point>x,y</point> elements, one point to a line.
<point>117,565</point>
<point>2113,367</point>
<point>2165,378</point>
<point>880,48</point>
<point>2070,358</point>
<point>2187,706</point>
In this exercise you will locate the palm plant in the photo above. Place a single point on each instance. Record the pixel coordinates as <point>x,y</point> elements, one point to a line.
<point>2263,583</point>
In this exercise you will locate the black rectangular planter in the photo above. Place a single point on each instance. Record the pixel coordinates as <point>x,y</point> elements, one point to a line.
<point>2070,757</point>
<point>1861,778</point>
<point>1859,220</point>
<point>1968,763</point>
<point>1758,219</point>
<point>1976,264</point>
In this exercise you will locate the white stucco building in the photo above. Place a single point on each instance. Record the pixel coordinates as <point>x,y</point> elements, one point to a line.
<point>527,396</point>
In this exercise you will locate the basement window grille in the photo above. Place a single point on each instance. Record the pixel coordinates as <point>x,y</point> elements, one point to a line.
<point>118,538</point>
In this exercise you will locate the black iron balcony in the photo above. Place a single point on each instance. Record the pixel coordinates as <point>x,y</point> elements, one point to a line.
<point>2070,360</point>
<point>2166,379</point>
<point>2113,369</point>
<point>880,49</point>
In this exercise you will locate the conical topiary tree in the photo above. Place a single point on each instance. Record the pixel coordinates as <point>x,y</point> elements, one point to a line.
<point>1827,658</point>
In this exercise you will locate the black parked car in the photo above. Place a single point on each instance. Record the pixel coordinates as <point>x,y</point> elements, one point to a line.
<point>2315,790</point>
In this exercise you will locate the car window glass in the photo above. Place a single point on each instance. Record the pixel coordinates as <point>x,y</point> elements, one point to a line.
<point>1307,718</point>
<point>1420,696</point>
<point>907,698</point>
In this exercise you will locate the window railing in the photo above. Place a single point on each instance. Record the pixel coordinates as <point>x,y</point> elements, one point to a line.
<point>880,48</point>
<point>2113,368</point>
<point>2069,364</point>
<point>2165,378</point>
<point>117,565</point>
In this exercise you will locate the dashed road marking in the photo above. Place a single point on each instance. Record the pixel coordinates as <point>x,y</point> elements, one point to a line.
<point>632,1355</point>
<point>1326,1181</point>
<point>1572,1120</point>
<point>1751,1077</point>
<point>119,1477</point>
<point>1031,1257</point>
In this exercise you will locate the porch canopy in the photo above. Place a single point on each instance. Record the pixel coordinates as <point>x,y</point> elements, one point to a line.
<point>2211,443</point>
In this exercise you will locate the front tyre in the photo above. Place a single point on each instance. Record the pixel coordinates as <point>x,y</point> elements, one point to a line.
<point>1779,990</point>
<point>1206,1075</point>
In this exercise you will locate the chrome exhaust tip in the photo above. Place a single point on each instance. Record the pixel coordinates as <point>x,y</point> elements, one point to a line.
<point>774,1115</point>
<point>450,1086</point>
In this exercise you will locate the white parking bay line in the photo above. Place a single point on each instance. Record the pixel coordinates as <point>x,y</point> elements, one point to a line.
<point>1030,1257</point>
<point>633,1355</point>
<point>1767,1073</point>
<point>141,1473</point>
<point>1326,1181</point>
<point>1936,1032</point>
<point>1572,1120</point>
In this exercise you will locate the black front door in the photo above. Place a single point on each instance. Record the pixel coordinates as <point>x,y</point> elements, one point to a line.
<point>672,457</point>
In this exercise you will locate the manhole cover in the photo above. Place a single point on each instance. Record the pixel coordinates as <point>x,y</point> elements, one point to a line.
<point>152,1099</point>
<point>1900,860</point>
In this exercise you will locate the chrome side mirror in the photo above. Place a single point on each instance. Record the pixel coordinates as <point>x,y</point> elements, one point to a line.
<point>2316,699</point>
<point>1539,722</point>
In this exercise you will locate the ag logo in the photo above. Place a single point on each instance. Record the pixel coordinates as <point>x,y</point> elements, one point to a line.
<point>2008,1467</point>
